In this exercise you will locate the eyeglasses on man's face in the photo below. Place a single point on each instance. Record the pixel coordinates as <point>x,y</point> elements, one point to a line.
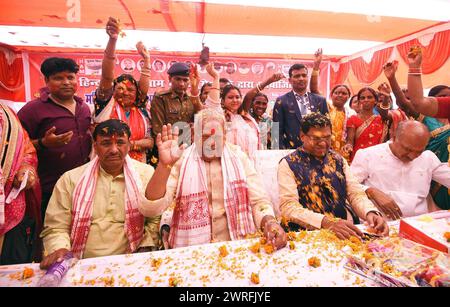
<point>317,139</point>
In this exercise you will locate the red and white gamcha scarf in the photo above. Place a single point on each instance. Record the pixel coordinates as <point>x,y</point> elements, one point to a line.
<point>83,198</point>
<point>191,223</point>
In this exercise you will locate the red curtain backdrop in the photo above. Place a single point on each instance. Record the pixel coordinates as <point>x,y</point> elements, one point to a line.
<point>434,55</point>
<point>11,78</point>
<point>339,76</point>
<point>367,73</point>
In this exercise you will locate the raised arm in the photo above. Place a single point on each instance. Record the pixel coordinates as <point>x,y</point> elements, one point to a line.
<point>425,105</point>
<point>109,56</point>
<point>248,98</point>
<point>314,81</point>
<point>214,93</point>
<point>383,107</point>
<point>169,153</point>
<point>144,80</point>
<point>194,79</point>
<point>390,69</point>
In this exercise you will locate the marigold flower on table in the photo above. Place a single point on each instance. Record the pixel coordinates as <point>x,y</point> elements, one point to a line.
<point>291,236</point>
<point>314,262</point>
<point>27,273</point>
<point>255,278</point>
<point>223,252</point>
<point>447,236</point>
<point>174,282</point>
<point>156,263</point>
<point>301,235</point>
<point>269,248</point>
<point>108,281</point>
<point>291,245</point>
<point>255,248</point>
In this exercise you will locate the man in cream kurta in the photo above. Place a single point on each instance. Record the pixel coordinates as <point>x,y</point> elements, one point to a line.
<point>106,235</point>
<point>93,210</point>
<point>289,198</point>
<point>259,201</point>
<point>201,201</point>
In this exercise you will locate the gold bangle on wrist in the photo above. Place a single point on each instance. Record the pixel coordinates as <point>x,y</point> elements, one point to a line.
<point>384,108</point>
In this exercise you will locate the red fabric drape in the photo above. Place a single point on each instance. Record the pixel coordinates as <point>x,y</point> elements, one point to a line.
<point>368,73</point>
<point>339,76</point>
<point>434,55</point>
<point>11,78</point>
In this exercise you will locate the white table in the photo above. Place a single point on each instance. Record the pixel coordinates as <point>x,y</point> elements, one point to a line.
<point>202,266</point>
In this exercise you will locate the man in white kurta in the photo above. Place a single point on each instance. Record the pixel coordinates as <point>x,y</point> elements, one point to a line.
<point>397,175</point>
<point>196,186</point>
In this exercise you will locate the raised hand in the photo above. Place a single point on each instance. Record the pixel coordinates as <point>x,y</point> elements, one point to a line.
<point>167,142</point>
<point>142,50</point>
<point>415,57</point>
<point>275,78</point>
<point>390,68</point>
<point>211,70</point>
<point>113,28</point>
<point>384,89</point>
<point>317,59</point>
<point>194,78</point>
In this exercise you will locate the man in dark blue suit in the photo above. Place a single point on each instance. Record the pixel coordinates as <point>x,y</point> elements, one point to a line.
<point>290,107</point>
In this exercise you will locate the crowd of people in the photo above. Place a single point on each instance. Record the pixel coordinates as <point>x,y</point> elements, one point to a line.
<point>82,180</point>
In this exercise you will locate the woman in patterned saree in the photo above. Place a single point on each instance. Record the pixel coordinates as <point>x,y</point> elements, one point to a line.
<point>124,98</point>
<point>366,129</point>
<point>20,213</point>
<point>339,116</point>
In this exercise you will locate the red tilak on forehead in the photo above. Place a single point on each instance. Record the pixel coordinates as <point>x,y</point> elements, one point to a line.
<point>213,131</point>
<point>127,83</point>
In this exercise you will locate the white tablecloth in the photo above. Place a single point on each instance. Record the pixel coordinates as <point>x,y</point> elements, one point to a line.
<point>202,266</point>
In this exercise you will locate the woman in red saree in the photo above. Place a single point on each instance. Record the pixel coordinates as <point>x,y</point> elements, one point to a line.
<point>20,213</point>
<point>366,129</point>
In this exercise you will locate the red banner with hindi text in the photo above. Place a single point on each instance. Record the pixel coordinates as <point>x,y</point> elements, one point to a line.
<point>245,73</point>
